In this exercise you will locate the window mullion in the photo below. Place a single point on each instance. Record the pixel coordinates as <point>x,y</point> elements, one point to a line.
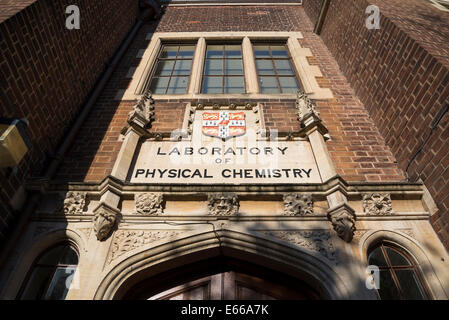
<point>223,72</point>
<point>249,67</point>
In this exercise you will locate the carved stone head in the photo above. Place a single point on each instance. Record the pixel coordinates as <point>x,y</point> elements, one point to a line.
<point>296,204</point>
<point>343,221</point>
<point>149,203</point>
<point>223,204</point>
<point>74,202</point>
<point>104,220</point>
<point>377,204</point>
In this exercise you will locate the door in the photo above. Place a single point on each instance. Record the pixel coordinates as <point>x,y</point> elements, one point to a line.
<point>234,286</point>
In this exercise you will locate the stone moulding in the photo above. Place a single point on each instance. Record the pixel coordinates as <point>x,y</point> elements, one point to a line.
<point>149,203</point>
<point>343,221</point>
<point>223,204</point>
<point>296,204</point>
<point>318,241</point>
<point>104,220</point>
<point>378,204</point>
<point>127,240</point>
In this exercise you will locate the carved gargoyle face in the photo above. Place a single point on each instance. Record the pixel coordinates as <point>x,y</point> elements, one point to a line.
<point>344,225</point>
<point>103,224</point>
<point>223,204</point>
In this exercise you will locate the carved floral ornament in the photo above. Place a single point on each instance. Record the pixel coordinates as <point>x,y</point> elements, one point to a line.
<point>149,203</point>
<point>223,204</point>
<point>128,240</point>
<point>377,204</point>
<point>315,240</point>
<point>74,203</point>
<point>296,204</point>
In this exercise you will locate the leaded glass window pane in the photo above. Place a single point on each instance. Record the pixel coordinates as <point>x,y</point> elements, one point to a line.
<point>399,276</point>
<point>376,258</point>
<point>212,85</point>
<point>269,85</point>
<point>396,259</point>
<point>52,275</point>
<point>388,289</point>
<point>159,85</point>
<point>265,67</point>
<point>213,67</point>
<point>409,284</point>
<point>60,284</point>
<point>288,84</point>
<point>223,69</point>
<point>233,67</point>
<point>234,85</point>
<point>182,67</point>
<point>178,85</point>
<point>173,61</point>
<point>275,70</point>
<point>214,52</point>
<point>283,67</point>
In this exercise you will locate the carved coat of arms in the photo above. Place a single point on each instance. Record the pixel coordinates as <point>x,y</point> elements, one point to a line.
<point>224,124</point>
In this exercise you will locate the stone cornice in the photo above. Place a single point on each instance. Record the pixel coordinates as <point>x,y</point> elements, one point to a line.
<point>111,183</point>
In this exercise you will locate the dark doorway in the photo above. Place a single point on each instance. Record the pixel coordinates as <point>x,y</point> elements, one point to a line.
<point>222,279</point>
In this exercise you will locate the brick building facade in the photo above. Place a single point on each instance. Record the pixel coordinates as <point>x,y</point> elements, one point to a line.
<point>370,97</point>
<point>401,75</point>
<point>47,73</point>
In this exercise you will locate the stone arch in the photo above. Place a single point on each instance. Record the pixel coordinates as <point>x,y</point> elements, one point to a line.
<point>38,246</point>
<point>414,249</point>
<point>236,243</point>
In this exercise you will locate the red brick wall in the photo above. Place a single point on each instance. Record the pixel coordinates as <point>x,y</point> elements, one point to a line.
<point>9,8</point>
<point>401,74</point>
<point>47,71</point>
<point>313,9</point>
<point>356,145</point>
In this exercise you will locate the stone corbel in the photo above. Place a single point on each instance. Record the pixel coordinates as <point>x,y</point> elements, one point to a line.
<point>105,218</point>
<point>107,213</point>
<point>343,218</point>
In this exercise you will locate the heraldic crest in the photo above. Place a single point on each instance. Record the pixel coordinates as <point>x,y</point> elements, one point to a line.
<point>224,124</point>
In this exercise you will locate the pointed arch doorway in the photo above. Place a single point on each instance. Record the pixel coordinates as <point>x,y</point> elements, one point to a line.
<point>222,279</point>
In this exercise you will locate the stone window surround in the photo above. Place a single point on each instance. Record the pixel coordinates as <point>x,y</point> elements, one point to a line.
<point>440,4</point>
<point>305,71</point>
